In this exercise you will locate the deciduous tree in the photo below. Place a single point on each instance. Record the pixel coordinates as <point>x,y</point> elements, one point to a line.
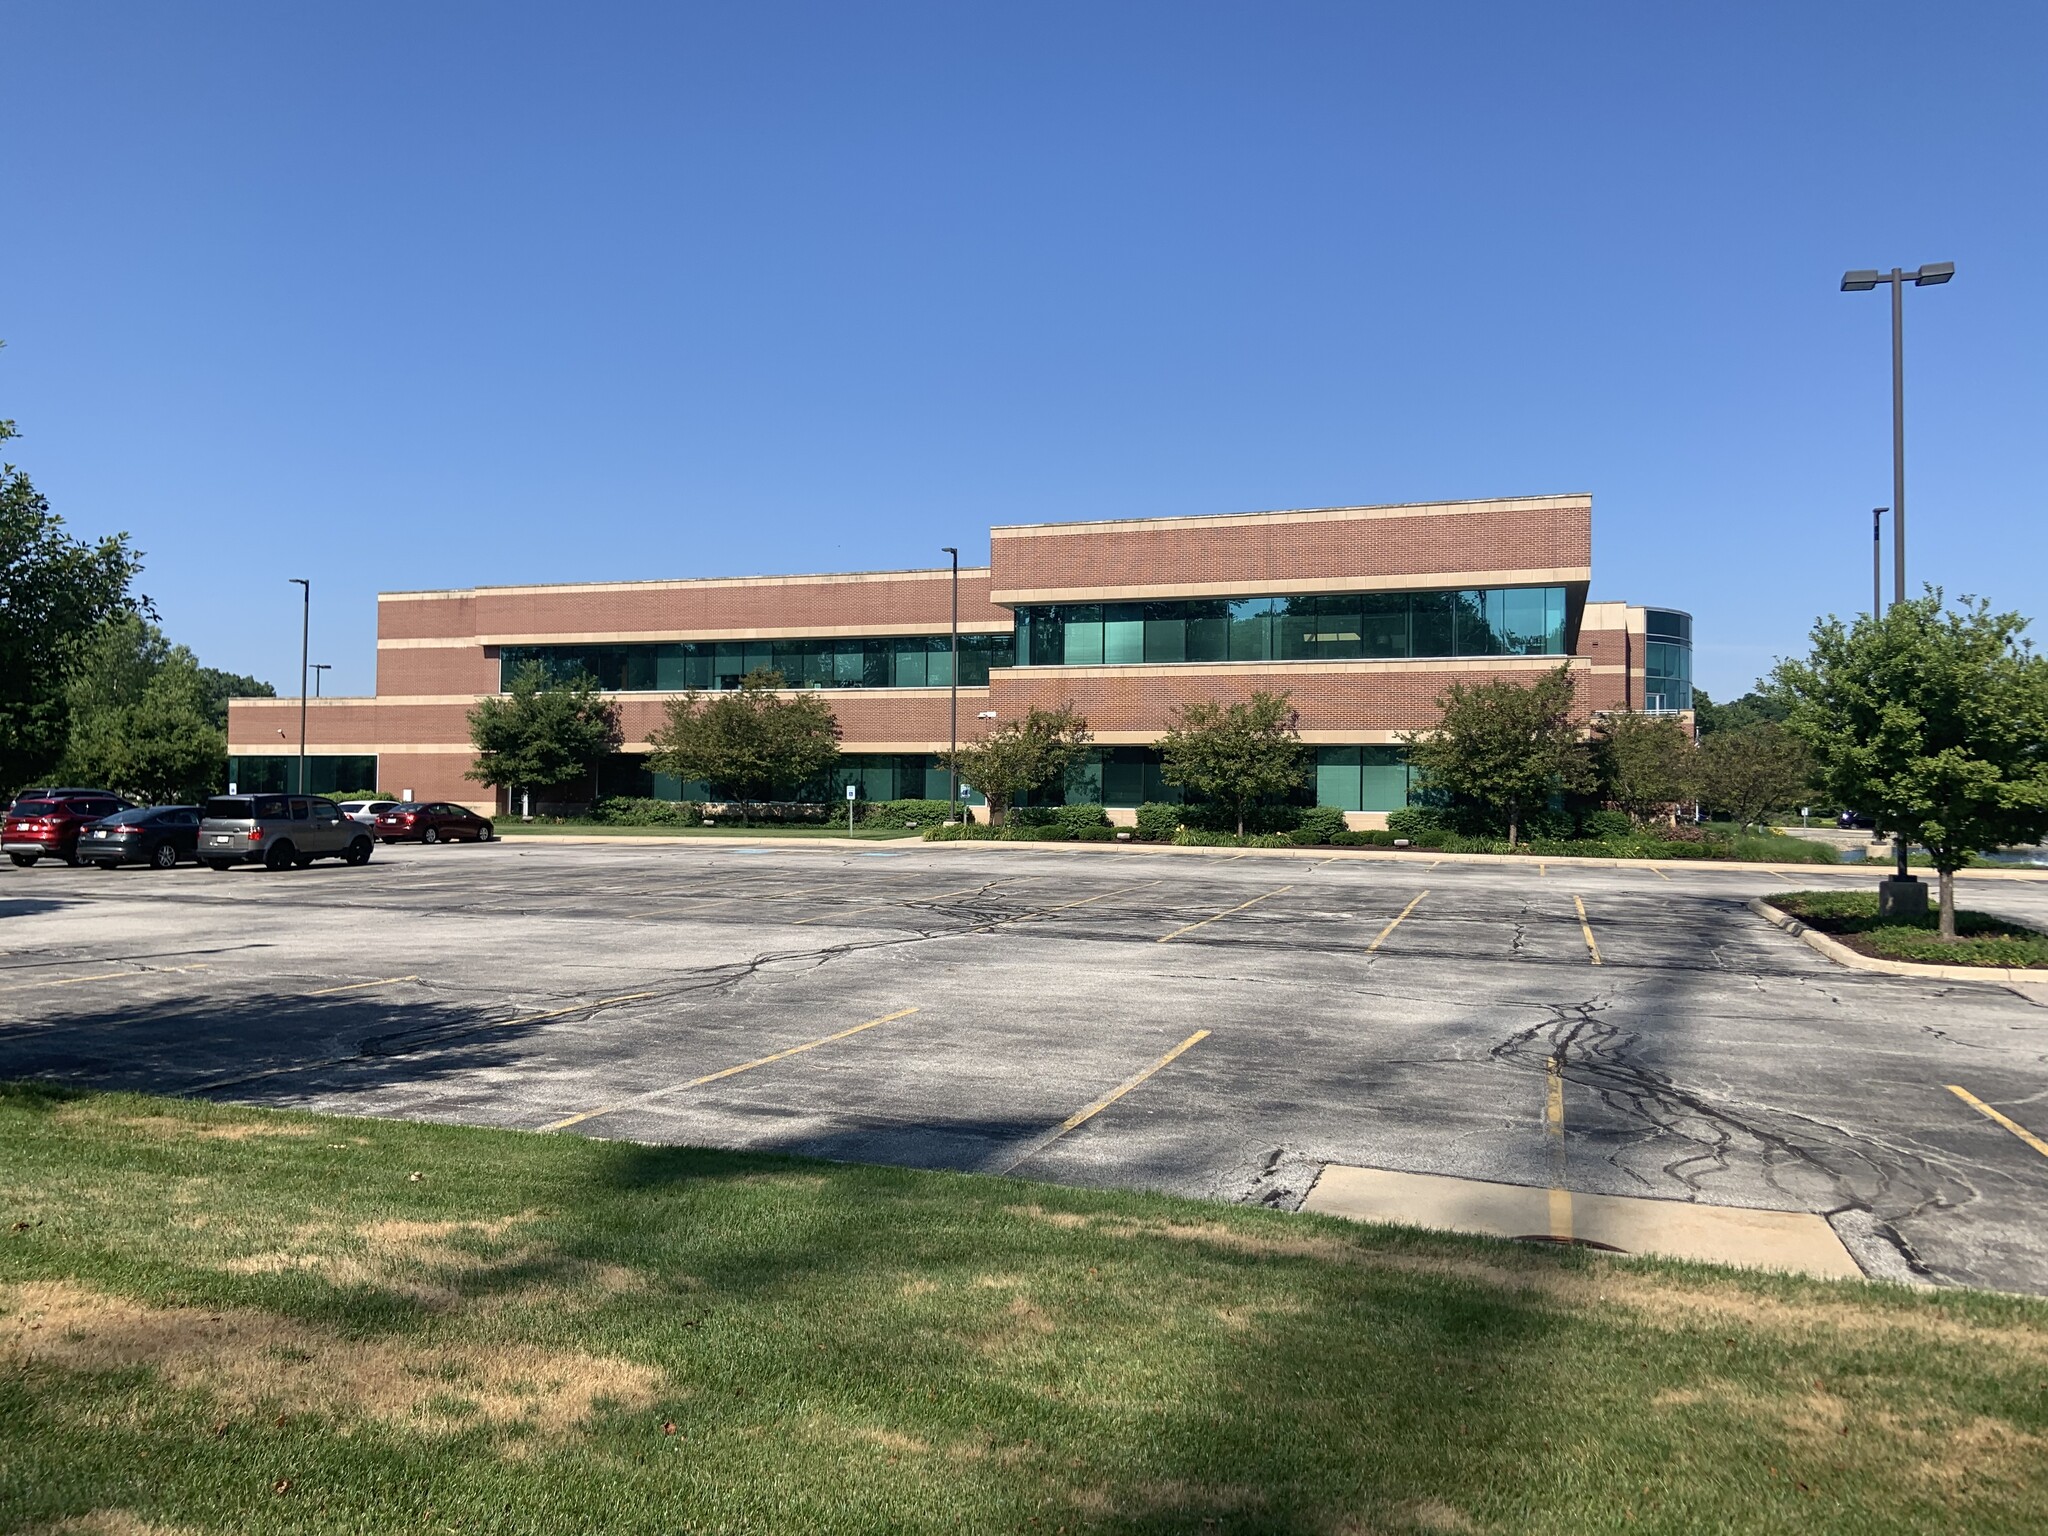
<point>1508,746</point>
<point>55,593</point>
<point>1022,755</point>
<point>1752,770</point>
<point>1238,755</point>
<point>1934,720</point>
<point>542,731</point>
<point>1644,762</point>
<point>140,717</point>
<point>751,742</point>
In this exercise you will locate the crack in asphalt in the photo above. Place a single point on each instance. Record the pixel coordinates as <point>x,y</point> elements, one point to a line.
<point>1891,1180</point>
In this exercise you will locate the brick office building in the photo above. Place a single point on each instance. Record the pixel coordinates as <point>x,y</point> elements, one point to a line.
<point>1362,614</point>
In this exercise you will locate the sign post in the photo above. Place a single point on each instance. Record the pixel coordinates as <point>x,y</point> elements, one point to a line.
<point>852,793</point>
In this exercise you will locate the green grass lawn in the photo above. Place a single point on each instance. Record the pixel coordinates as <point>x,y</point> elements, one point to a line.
<point>513,828</point>
<point>1851,916</point>
<point>218,1320</point>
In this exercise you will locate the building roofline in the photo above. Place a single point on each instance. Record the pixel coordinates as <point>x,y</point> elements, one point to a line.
<point>932,573</point>
<point>1303,514</point>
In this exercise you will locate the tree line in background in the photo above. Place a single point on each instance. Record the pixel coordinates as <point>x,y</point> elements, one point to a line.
<point>91,691</point>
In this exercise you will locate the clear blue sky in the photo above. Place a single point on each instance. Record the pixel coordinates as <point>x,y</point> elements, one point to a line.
<point>424,295</point>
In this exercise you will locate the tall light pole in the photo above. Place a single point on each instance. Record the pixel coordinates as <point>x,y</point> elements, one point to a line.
<point>953,708</point>
<point>1931,275</point>
<point>305,635</point>
<point>318,668</point>
<point>1877,561</point>
<point>1928,276</point>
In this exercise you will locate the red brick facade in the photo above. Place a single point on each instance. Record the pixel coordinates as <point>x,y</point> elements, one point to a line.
<point>438,651</point>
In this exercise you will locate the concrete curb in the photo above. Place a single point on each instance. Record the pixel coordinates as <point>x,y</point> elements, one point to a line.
<point>1319,852</point>
<point>656,839</point>
<point>1398,855</point>
<point>1842,954</point>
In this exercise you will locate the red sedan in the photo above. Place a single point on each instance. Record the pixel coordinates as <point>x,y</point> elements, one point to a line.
<point>433,822</point>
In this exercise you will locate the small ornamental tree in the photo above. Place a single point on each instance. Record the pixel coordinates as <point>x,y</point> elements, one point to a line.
<point>749,742</point>
<point>141,718</point>
<point>1239,755</point>
<point>1021,755</point>
<point>542,731</point>
<point>1935,721</point>
<point>1751,771</point>
<point>1507,746</point>
<point>1644,763</point>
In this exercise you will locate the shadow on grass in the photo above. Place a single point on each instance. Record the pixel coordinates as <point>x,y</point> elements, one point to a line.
<point>1090,1358</point>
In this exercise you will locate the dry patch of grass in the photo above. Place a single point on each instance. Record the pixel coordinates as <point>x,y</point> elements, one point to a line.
<point>183,1127</point>
<point>248,1359</point>
<point>107,1522</point>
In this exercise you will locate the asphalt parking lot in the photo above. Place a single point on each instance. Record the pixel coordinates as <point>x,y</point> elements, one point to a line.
<point>1220,1025</point>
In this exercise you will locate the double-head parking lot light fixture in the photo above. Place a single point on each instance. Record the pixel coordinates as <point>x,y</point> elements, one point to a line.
<point>1931,275</point>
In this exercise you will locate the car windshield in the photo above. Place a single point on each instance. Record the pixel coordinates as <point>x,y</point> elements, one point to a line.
<point>33,807</point>
<point>132,815</point>
<point>230,808</point>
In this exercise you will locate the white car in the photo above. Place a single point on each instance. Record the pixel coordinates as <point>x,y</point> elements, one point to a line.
<point>366,811</point>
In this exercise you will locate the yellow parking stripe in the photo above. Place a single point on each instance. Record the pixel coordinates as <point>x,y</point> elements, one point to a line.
<point>1988,1112</point>
<point>357,986</point>
<point>1082,1117</point>
<point>1376,943</point>
<point>1659,873</point>
<point>72,981</point>
<point>1191,927</point>
<point>1586,928</point>
<point>712,1077</point>
<point>1553,1125</point>
<point>1084,901</point>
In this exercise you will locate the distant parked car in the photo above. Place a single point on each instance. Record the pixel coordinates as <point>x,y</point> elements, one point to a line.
<point>364,813</point>
<point>436,821</point>
<point>278,832</point>
<point>45,823</point>
<point>157,835</point>
<point>1855,821</point>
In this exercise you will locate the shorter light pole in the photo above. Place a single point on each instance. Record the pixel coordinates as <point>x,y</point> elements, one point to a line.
<point>318,668</point>
<point>305,638</point>
<point>1877,561</point>
<point>953,708</point>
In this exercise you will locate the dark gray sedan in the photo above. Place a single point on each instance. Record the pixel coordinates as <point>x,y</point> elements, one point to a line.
<point>157,835</point>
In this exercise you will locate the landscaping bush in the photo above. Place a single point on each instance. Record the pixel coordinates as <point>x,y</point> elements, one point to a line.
<point>1852,917</point>
<point>1205,817</point>
<point>1318,824</point>
<point>1158,821</point>
<point>339,795</point>
<point>1603,824</point>
<point>881,815</point>
<point>625,811</point>
<point>1414,820</point>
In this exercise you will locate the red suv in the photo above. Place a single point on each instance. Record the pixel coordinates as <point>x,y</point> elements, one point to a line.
<point>45,823</point>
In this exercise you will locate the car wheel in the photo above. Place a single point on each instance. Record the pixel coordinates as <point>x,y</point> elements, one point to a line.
<point>166,856</point>
<point>24,859</point>
<point>431,835</point>
<point>70,856</point>
<point>277,856</point>
<point>359,851</point>
<point>489,834</point>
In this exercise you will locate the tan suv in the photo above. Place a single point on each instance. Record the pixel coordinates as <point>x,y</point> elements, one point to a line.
<point>278,832</point>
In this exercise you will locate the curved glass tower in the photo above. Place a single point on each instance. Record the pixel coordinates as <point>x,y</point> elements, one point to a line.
<point>1667,660</point>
